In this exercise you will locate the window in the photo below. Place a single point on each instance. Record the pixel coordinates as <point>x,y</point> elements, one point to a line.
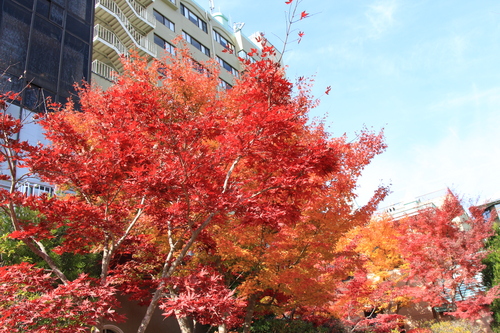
<point>50,10</point>
<point>199,67</point>
<point>36,189</point>
<point>45,65</point>
<point>194,18</point>
<point>223,41</point>
<point>14,33</point>
<point>195,43</point>
<point>47,43</point>
<point>244,55</point>
<point>75,57</point>
<point>165,21</point>
<point>227,66</point>
<point>83,9</point>
<point>224,85</point>
<point>164,44</point>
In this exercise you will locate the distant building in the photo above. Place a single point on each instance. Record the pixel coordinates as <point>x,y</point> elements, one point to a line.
<point>435,200</point>
<point>413,206</point>
<point>491,209</point>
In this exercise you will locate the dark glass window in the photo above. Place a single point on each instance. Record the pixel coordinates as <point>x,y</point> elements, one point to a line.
<point>43,62</point>
<point>45,51</point>
<point>14,33</point>
<point>194,18</point>
<point>26,3</point>
<point>50,10</point>
<point>35,98</point>
<point>77,27</point>
<point>43,7</point>
<point>11,83</point>
<point>75,61</point>
<point>81,8</point>
<point>56,14</point>
<point>163,20</point>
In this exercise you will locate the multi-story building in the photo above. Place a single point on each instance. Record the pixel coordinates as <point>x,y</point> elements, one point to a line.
<point>148,27</point>
<point>412,207</point>
<point>46,47</point>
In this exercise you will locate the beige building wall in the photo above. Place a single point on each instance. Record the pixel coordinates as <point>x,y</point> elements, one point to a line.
<point>148,27</point>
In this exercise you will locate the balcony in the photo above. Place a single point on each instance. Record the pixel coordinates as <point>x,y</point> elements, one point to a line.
<point>103,70</point>
<point>145,3</point>
<point>137,15</point>
<point>107,45</point>
<point>33,189</point>
<point>108,11</point>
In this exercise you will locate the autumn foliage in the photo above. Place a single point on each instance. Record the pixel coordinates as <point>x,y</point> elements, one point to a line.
<point>433,257</point>
<point>164,166</point>
<point>218,205</point>
<point>33,301</point>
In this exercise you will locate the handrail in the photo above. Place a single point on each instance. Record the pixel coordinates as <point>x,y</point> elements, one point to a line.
<point>111,38</point>
<point>106,71</point>
<point>142,12</point>
<point>140,40</point>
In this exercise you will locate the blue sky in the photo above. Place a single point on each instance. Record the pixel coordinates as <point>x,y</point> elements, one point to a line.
<point>427,71</point>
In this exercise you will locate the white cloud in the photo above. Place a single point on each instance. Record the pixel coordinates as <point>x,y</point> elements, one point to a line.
<point>486,99</point>
<point>381,17</point>
<point>464,157</point>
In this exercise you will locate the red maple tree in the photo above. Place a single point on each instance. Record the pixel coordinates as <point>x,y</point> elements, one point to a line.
<point>444,247</point>
<point>154,160</point>
<point>433,257</point>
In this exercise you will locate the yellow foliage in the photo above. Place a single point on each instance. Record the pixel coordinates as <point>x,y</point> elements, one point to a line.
<point>454,326</point>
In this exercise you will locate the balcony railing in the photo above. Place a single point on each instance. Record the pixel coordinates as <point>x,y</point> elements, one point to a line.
<point>103,70</point>
<point>142,12</point>
<point>140,40</point>
<point>110,38</point>
<point>35,189</point>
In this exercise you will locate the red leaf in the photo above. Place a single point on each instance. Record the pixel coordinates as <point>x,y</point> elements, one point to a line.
<point>301,34</point>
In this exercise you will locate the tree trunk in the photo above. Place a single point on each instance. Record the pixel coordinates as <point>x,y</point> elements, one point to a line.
<point>185,324</point>
<point>252,301</point>
<point>222,328</point>
<point>168,270</point>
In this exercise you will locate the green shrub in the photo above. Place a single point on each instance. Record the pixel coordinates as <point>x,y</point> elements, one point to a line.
<point>273,325</point>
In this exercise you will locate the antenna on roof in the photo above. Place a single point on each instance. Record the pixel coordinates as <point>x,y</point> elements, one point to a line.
<point>212,6</point>
<point>238,26</point>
